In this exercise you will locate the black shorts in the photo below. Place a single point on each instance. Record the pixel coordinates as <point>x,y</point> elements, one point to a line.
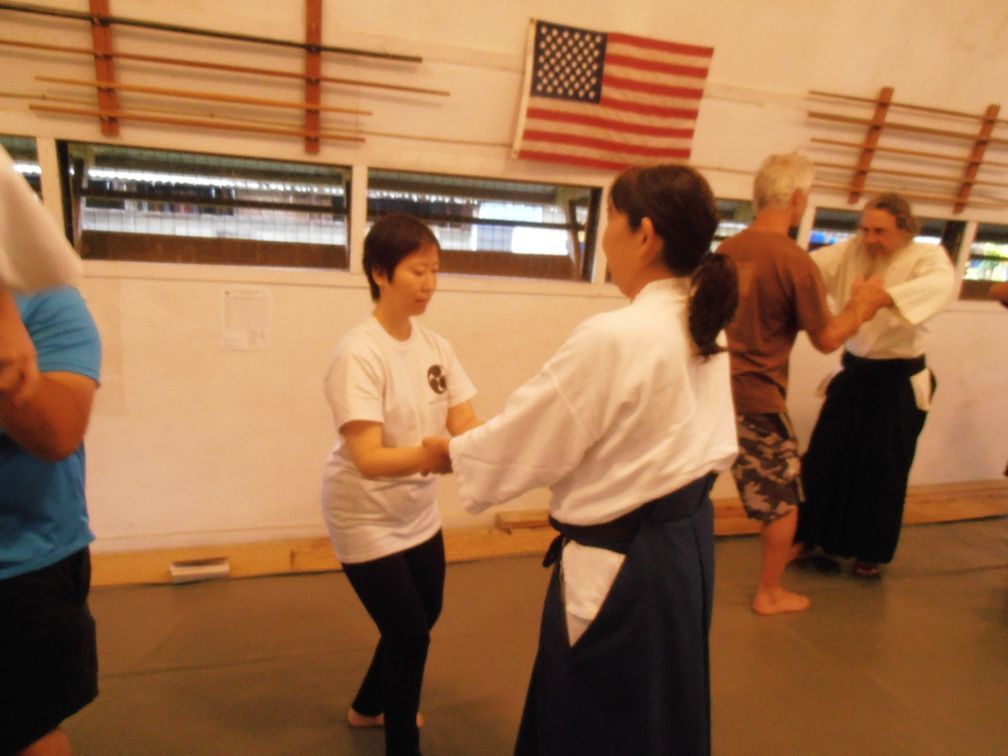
<point>48,654</point>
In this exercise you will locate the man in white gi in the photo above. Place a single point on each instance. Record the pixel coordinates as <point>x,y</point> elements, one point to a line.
<point>858,461</point>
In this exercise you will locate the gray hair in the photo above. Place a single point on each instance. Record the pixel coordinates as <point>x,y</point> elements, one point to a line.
<point>779,177</point>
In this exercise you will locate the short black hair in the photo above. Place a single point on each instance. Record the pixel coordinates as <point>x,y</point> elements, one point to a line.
<point>391,238</point>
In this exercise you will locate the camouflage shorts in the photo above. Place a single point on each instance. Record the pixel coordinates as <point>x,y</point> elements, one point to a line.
<point>767,470</point>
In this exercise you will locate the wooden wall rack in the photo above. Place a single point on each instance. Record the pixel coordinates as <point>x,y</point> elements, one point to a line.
<point>105,83</point>
<point>926,139</point>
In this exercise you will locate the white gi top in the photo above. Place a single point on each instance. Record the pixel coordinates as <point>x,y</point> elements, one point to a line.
<point>920,279</point>
<point>407,386</point>
<point>622,414</point>
<point>34,253</point>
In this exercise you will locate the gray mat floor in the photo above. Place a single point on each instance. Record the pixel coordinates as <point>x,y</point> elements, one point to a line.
<point>915,664</point>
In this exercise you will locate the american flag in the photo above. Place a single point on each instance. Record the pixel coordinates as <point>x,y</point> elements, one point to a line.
<point>608,100</point>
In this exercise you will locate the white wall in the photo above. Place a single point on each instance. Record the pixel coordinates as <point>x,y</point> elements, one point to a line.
<point>192,442</point>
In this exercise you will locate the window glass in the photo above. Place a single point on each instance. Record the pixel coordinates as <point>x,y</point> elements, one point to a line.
<point>496,227</point>
<point>988,261</point>
<point>736,215</point>
<point>25,156</point>
<point>156,205</point>
<point>832,225</point>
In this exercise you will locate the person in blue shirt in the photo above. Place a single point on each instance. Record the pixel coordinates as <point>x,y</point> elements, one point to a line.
<point>50,358</point>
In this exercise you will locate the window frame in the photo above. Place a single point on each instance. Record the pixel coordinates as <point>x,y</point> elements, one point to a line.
<point>974,288</point>
<point>154,247</point>
<point>577,266</point>
<point>16,146</point>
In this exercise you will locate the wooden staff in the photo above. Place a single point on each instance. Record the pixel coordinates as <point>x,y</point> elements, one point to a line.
<point>189,94</point>
<point>224,67</point>
<point>103,19</point>
<point>905,127</point>
<point>909,153</point>
<point>193,122</point>
<point>905,106</point>
<point>913,174</point>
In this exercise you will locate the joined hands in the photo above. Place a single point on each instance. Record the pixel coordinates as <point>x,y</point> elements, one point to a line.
<point>436,459</point>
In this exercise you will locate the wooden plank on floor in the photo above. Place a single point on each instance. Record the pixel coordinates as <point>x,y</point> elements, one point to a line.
<point>522,518</point>
<point>950,502</point>
<point>521,533</point>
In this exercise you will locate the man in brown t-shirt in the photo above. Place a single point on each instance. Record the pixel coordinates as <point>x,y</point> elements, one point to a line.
<point>781,292</point>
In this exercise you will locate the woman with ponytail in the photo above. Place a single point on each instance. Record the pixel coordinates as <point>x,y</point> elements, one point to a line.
<point>628,425</point>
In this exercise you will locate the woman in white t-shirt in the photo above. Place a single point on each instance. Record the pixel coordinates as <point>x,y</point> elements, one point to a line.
<point>391,383</point>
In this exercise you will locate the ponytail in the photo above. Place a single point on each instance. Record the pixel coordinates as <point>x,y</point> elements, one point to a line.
<point>713,301</point>
<point>681,206</point>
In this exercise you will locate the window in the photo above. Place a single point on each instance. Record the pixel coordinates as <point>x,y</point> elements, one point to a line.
<point>736,215</point>
<point>25,156</point>
<point>496,227</point>
<point>831,226</point>
<point>159,206</point>
<point>988,261</point>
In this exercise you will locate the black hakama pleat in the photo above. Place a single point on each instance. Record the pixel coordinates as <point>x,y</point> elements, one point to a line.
<point>638,680</point>
<point>858,461</point>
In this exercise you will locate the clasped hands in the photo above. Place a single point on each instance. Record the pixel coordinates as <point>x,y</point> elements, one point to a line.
<point>868,296</point>
<point>19,373</point>
<point>435,459</point>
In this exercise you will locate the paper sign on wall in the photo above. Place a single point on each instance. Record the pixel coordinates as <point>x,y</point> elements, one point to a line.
<point>245,318</point>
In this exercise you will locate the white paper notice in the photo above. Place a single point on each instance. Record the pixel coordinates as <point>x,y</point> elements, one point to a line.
<point>245,318</point>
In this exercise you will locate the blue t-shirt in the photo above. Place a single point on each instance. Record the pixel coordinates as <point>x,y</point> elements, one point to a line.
<point>43,515</point>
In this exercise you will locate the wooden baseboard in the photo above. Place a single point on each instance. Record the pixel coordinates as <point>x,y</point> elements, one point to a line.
<point>520,533</point>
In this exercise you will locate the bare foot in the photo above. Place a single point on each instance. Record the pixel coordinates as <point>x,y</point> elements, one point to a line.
<point>780,601</point>
<point>799,552</point>
<point>866,569</point>
<point>356,719</point>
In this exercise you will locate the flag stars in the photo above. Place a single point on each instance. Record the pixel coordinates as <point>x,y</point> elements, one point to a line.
<point>568,63</point>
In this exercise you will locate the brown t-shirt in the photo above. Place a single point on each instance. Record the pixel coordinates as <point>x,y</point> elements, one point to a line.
<point>781,292</point>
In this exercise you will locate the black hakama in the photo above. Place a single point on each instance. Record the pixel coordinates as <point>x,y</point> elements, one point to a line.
<point>858,461</point>
<point>638,680</point>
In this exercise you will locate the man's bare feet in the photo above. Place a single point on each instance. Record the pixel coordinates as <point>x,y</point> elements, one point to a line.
<point>864,569</point>
<point>780,601</point>
<point>53,744</point>
<point>356,719</point>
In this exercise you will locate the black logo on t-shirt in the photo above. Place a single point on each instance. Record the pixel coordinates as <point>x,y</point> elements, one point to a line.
<point>436,378</point>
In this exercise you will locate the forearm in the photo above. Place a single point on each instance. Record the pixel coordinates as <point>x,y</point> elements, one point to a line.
<point>390,462</point>
<point>858,310</point>
<point>18,359</point>
<point>461,418</point>
<point>840,328</point>
<point>51,423</point>
<point>1000,291</point>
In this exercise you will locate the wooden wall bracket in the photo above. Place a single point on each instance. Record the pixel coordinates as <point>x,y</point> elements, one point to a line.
<point>976,156</point>
<point>313,74</point>
<point>871,141</point>
<point>101,35</point>
<point>927,129</point>
<point>111,115</point>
